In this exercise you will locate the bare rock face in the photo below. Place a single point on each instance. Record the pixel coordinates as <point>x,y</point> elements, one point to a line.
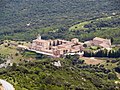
<point>57,64</point>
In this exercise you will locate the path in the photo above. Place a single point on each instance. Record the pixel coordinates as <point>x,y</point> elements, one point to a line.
<point>6,85</point>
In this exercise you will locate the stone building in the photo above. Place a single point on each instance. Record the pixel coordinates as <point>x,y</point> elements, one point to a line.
<point>56,47</point>
<point>105,43</point>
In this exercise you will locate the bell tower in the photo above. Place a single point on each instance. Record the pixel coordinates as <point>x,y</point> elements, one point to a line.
<point>39,37</point>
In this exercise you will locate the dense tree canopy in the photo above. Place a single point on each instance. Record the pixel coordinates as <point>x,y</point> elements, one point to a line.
<point>24,19</point>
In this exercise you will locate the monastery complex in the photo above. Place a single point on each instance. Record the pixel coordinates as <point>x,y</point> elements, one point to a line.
<point>58,47</point>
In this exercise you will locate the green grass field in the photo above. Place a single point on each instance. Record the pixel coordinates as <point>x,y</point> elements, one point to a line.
<point>12,52</point>
<point>81,25</point>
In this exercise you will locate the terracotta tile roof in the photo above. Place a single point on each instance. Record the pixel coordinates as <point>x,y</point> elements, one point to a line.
<point>104,45</point>
<point>74,39</point>
<point>99,39</point>
<point>40,40</point>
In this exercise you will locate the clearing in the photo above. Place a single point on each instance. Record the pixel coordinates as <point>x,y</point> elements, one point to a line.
<point>92,60</point>
<point>81,25</point>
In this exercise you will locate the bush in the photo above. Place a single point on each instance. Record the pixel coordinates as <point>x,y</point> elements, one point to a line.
<point>117,69</point>
<point>112,76</point>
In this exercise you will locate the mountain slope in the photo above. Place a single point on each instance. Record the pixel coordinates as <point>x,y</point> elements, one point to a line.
<point>29,16</point>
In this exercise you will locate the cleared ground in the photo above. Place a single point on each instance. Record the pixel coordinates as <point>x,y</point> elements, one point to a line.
<point>92,60</point>
<point>11,51</point>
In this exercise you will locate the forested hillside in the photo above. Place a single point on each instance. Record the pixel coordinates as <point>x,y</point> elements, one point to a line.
<point>24,19</point>
<point>72,75</point>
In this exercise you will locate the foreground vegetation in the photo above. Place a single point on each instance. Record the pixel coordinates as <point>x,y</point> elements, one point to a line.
<point>73,74</point>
